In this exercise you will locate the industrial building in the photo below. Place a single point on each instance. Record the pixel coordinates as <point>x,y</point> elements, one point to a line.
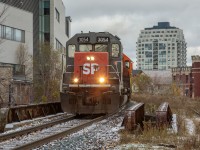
<point>30,23</point>
<point>188,78</point>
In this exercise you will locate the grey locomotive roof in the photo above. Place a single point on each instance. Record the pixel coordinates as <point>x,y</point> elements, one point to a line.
<point>94,35</point>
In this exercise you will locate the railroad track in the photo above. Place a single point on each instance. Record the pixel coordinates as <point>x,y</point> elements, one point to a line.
<point>40,135</point>
<point>35,138</point>
<point>101,135</point>
<point>35,128</point>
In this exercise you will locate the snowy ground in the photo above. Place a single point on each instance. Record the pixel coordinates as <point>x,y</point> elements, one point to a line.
<point>190,126</point>
<point>102,135</point>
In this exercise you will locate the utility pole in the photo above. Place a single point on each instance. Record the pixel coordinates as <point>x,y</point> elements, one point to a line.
<point>9,100</point>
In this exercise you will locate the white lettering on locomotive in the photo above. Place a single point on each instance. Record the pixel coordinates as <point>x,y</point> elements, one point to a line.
<point>90,68</point>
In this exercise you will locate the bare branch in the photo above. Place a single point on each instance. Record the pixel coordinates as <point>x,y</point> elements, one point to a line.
<point>49,70</point>
<point>3,10</point>
<point>2,13</point>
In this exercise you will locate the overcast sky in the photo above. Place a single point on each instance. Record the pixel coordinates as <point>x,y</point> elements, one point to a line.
<point>126,18</point>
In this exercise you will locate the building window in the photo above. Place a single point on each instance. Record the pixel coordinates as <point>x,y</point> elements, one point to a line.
<point>148,46</point>
<point>67,27</point>
<point>186,78</point>
<point>58,45</point>
<point>46,8</point>
<point>161,46</point>
<point>174,78</point>
<point>8,33</point>
<point>57,15</point>
<point>18,35</point>
<point>127,64</point>
<point>148,54</point>
<point>13,34</point>
<point>47,37</point>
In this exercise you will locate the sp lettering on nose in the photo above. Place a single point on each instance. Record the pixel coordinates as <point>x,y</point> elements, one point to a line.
<point>90,68</point>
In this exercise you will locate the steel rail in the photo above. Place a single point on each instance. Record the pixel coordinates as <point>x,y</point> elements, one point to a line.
<point>64,133</point>
<point>33,129</point>
<point>56,136</point>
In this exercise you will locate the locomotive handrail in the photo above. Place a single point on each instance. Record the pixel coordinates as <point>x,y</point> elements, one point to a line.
<point>89,85</point>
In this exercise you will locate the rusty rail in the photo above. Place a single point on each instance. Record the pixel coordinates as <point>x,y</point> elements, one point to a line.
<point>163,115</point>
<point>25,112</point>
<point>134,116</point>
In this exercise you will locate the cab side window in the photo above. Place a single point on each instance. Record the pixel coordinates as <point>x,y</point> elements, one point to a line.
<point>71,50</point>
<point>127,64</point>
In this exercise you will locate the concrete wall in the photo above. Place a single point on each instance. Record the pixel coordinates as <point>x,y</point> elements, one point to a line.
<point>22,20</point>
<point>57,29</point>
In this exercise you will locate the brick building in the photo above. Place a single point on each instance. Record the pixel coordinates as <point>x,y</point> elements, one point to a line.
<point>196,75</point>
<point>188,78</point>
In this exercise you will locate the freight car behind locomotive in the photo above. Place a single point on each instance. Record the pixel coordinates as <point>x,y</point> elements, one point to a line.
<point>97,77</point>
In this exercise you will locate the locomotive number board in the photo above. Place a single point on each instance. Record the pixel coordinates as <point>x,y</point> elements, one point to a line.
<point>103,39</point>
<point>83,39</point>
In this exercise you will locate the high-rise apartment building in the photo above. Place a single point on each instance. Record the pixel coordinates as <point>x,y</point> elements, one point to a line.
<point>161,47</point>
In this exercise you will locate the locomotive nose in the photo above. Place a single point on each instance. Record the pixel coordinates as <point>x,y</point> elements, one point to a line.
<point>91,67</point>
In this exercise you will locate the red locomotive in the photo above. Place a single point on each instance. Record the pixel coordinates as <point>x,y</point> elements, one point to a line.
<point>97,77</point>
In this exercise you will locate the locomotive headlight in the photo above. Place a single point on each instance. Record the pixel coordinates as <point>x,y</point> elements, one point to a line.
<point>101,80</point>
<point>75,80</point>
<point>92,58</point>
<point>88,58</point>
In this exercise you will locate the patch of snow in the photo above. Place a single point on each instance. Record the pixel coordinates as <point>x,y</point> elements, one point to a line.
<point>115,129</point>
<point>9,126</point>
<point>174,123</point>
<point>138,146</point>
<point>190,126</point>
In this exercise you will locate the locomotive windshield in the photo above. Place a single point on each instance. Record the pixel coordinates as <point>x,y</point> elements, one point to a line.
<point>101,48</point>
<point>85,47</point>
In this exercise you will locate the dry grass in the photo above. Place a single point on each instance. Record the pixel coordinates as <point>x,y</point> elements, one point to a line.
<point>179,105</point>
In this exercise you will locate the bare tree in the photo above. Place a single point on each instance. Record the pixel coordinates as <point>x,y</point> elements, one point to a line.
<point>3,10</point>
<point>142,82</point>
<point>49,70</point>
<point>25,59</point>
<point>5,78</point>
